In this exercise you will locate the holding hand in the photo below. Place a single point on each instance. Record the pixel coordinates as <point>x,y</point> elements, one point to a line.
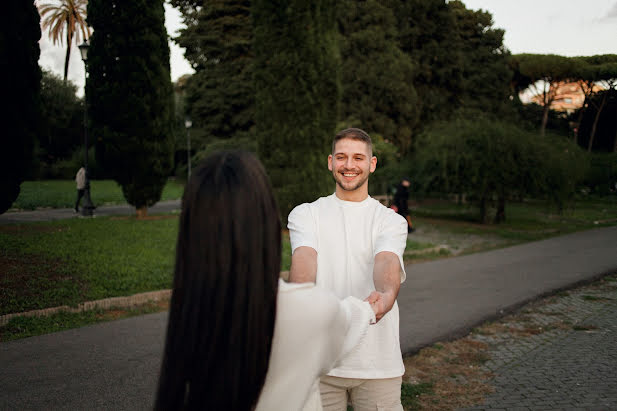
<point>381,303</point>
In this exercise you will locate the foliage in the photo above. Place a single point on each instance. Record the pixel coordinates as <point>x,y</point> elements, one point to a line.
<point>219,96</point>
<point>130,96</point>
<point>489,160</point>
<point>61,193</point>
<point>484,58</point>
<point>435,53</point>
<point>297,93</point>
<point>62,128</point>
<point>543,73</point>
<point>19,55</point>
<point>69,15</point>
<point>377,77</point>
<point>602,175</point>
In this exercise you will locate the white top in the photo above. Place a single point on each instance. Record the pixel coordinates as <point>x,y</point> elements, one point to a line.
<point>313,330</point>
<point>80,179</point>
<point>347,236</point>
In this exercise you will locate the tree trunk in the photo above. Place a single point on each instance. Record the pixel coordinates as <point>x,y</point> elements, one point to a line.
<point>483,210</point>
<point>547,107</point>
<point>142,212</point>
<point>500,216</point>
<point>615,143</point>
<point>595,122</point>
<point>69,40</point>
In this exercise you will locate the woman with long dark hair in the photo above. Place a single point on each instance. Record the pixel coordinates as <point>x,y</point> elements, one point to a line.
<point>235,330</point>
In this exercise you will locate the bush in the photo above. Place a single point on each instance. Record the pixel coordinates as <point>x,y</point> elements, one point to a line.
<point>602,175</point>
<point>490,162</point>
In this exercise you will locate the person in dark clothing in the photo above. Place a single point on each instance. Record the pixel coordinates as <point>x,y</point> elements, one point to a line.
<point>400,201</point>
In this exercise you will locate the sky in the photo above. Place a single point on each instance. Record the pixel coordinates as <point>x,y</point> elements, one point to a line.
<point>563,27</point>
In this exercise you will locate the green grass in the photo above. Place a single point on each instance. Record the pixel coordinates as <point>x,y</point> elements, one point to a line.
<point>71,261</point>
<point>415,245</point>
<point>62,193</point>
<point>22,327</point>
<point>525,221</point>
<point>409,394</point>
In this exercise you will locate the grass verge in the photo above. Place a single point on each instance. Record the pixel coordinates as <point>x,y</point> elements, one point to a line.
<point>22,327</point>
<point>62,193</point>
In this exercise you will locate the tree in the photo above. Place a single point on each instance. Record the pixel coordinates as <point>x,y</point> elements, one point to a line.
<point>61,118</point>
<point>377,77</point>
<point>485,69</point>
<point>490,162</point>
<point>297,94</point>
<point>596,74</point>
<point>130,96</point>
<point>543,73</point>
<point>219,96</point>
<point>435,53</point>
<point>69,15</point>
<point>19,55</point>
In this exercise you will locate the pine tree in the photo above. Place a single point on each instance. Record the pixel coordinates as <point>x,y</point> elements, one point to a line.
<point>297,94</point>
<point>377,77</point>
<point>19,67</point>
<point>130,96</point>
<point>219,96</point>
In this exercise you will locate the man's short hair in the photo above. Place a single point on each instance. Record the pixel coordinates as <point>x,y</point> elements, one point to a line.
<point>354,134</point>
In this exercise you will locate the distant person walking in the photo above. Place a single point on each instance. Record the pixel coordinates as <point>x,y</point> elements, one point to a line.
<point>400,201</point>
<point>80,180</point>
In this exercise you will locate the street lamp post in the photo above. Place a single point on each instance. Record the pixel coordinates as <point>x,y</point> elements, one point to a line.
<point>188,124</point>
<point>88,207</point>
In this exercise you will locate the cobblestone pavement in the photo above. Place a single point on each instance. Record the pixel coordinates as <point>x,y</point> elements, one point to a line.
<point>565,356</point>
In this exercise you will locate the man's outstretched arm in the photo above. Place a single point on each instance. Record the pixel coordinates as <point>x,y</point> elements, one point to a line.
<point>387,279</point>
<point>303,265</point>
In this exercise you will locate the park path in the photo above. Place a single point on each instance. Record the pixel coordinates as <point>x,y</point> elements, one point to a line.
<point>50,214</point>
<point>115,365</point>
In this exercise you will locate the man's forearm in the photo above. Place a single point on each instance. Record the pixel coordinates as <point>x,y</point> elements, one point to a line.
<point>303,265</point>
<point>387,281</point>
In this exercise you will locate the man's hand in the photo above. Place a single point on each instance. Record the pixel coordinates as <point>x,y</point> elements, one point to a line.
<point>381,303</point>
<point>387,279</point>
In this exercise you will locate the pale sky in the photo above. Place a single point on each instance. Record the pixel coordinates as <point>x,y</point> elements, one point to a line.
<point>564,27</point>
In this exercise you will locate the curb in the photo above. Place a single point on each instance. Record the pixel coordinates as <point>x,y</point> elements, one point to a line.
<point>117,302</point>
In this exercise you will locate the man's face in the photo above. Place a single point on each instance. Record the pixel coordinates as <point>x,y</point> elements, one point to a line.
<point>351,164</point>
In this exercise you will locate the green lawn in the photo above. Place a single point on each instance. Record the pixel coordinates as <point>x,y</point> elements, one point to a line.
<point>62,193</point>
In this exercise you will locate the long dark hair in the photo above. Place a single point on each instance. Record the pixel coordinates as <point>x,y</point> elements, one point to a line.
<point>223,306</point>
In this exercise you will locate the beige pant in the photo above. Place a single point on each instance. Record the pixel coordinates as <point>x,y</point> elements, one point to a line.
<point>364,395</point>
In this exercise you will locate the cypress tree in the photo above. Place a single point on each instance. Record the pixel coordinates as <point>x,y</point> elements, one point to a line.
<point>130,96</point>
<point>377,77</point>
<point>427,32</point>
<point>19,68</point>
<point>219,96</point>
<point>297,94</point>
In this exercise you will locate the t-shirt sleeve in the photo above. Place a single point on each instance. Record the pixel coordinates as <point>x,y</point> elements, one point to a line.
<point>392,237</point>
<point>302,228</point>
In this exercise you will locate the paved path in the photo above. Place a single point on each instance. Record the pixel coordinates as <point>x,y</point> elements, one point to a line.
<point>569,362</point>
<point>115,365</point>
<point>49,214</point>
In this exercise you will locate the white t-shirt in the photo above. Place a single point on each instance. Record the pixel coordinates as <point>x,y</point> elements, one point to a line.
<point>347,236</point>
<point>312,332</point>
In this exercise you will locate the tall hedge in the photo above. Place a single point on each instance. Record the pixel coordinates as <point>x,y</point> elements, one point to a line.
<point>297,95</point>
<point>19,68</point>
<point>130,96</point>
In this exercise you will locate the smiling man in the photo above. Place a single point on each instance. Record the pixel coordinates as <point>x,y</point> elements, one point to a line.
<point>352,245</point>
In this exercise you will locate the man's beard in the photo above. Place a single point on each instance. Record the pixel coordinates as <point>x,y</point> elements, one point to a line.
<point>340,182</point>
